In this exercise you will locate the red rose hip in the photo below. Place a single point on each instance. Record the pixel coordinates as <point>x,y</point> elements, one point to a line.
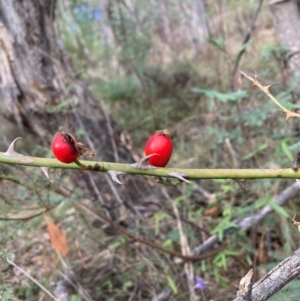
<point>64,148</point>
<point>160,146</point>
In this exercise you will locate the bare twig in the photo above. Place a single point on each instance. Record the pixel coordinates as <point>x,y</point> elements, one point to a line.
<point>245,287</point>
<point>246,39</point>
<point>69,281</point>
<point>185,249</point>
<point>147,242</point>
<point>31,278</point>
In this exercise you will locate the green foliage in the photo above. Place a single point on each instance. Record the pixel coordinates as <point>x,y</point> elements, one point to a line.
<point>75,298</point>
<point>6,293</point>
<point>218,43</point>
<point>223,225</point>
<point>279,209</point>
<point>157,216</point>
<point>172,284</point>
<point>223,97</point>
<point>221,259</point>
<point>122,90</point>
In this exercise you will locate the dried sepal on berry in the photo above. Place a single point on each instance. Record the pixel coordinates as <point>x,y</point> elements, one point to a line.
<point>80,148</point>
<point>67,149</point>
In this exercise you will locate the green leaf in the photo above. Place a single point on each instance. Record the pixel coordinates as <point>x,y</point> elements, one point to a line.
<point>172,284</point>
<point>222,280</point>
<point>118,243</point>
<point>218,43</point>
<point>244,46</point>
<point>223,97</point>
<point>261,148</point>
<point>286,150</point>
<point>157,216</point>
<point>75,298</point>
<point>179,199</point>
<point>279,209</point>
<point>173,235</point>
<point>59,107</point>
<point>225,224</point>
<point>127,284</point>
<point>167,242</point>
<point>220,259</point>
<point>262,201</point>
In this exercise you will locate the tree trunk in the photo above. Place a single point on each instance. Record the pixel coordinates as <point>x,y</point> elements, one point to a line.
<point>286,19</point>
<point>36,76</point>
<point>107,32</point>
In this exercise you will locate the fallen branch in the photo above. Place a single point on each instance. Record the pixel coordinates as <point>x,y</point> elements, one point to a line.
<point>275,280</point>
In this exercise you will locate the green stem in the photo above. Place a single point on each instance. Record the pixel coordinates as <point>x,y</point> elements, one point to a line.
<point>192,174</point>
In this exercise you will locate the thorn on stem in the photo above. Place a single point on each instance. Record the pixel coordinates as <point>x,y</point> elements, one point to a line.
<point>242,183</point>
<point>11,149</point>
<point>114,175</point>
<point>143,163</point>
<point>179,176</point>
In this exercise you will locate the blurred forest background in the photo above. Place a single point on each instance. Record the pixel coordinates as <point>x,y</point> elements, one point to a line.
<point>149,65</point>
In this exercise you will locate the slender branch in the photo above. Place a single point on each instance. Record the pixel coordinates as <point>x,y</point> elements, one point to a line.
<point>31,278</point>
<point>192,174</point>
<point>147,242</point>
<point>246,39</point>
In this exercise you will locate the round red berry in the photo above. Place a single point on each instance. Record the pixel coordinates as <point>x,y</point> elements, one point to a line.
<point>160,146</point>
<point>64,148</point>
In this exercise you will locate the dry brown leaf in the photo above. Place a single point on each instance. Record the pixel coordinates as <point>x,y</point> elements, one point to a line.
<point>262,252</point>
<point>57,238</point>
<point>212,211</point>
<point>240,79</point>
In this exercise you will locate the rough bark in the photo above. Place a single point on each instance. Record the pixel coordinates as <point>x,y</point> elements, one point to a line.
<point>286,19</point>
<point>106,29</point>
<point>276,279</point>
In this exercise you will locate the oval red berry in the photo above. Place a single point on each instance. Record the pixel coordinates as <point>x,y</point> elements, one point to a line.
<point>159,144</point>
<point>63,149</point>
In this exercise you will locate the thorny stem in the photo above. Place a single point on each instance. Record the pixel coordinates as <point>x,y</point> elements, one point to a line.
<point>265,89</point>
<point>192,174</point>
